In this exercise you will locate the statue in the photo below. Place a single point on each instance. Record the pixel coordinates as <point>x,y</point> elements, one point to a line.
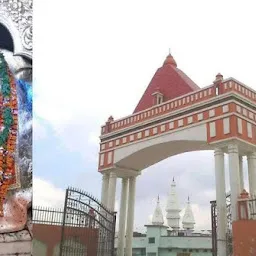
<point>15,116</point>
<point>15,149</point>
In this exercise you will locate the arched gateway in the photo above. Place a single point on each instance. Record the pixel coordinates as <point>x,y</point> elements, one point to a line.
<point>175,116</point>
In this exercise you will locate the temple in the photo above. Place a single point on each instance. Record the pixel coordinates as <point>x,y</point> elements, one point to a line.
<point>165,236</point>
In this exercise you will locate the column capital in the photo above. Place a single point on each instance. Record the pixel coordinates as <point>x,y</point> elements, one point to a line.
<point>133,177</point>
<point>233,148</point>
<point>112,175</point>
<point>251,155</point>
<point>105,176</point>
<point>218,151</point>
<point>125,179</point>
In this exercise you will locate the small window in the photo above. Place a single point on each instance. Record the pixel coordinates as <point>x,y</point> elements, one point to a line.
<point>159,99</point>
<point>190,250</point>
<point>151,240</point>
<point>217,90</point>
<point>205,250</point>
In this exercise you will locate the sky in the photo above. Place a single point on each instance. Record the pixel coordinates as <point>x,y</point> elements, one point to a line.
<point>93,59</point>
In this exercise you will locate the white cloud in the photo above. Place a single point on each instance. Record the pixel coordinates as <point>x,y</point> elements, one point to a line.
<point>39,131</point>
<point>202,217</point>
<point>45,194</point>
<point>100,79</point>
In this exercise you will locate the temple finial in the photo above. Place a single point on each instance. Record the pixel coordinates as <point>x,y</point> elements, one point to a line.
<point>169,51</point>
<point>158,200</point>
<point>170,60</point>
<point>173,179</point>
<point>188,199</point>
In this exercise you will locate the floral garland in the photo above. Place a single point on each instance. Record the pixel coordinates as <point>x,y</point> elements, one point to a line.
<point>8,130</point>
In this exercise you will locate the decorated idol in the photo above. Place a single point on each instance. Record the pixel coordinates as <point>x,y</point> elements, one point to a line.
<point>15,115</point>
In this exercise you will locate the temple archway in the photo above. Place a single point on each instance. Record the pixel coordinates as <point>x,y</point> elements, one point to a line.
<point>175,116</point>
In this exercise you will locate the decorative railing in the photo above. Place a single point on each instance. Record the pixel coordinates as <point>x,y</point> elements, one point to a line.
<point>159,110</point>
<point>181,102</point>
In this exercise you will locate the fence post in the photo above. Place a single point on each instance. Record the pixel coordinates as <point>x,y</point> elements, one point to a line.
<point>243,206</point>
<point>252,207</point>
<point>63,223</point>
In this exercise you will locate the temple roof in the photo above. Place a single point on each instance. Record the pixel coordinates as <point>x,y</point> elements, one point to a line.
<point>168,80</point>
<point>188,218</point>
<point>173,202</point>
<point>158,218</point>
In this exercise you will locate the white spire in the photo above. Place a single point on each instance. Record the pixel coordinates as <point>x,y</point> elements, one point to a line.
<point>173,208</point>
<point>188,220</point>
<point>158,218</point>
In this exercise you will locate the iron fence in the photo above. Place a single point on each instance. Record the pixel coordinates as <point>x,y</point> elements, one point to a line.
<point>47,216</point>
<point>252,207</point>
<point>86,226</point>
<point>89,221</point>
<point>214,218</point>
<point>214,227</point>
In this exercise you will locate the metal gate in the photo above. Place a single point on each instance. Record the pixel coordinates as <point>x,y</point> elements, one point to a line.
<point>214,227</point>
<point>88,227</point>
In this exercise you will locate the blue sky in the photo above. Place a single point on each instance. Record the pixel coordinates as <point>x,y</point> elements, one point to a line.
<point>95,59</point>
<point>54,161</point>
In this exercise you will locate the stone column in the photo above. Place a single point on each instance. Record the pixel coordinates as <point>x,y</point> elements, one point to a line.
<point>104,189</point>
<point>234,177</point>
<point>112,191</point>
<point>241,172</point>
<point>122,218</point>
<point>221,201</point>
<point>251,158</point>
<point>130,216</point>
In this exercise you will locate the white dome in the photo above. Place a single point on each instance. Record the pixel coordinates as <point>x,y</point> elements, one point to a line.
<point>158,218</point>
<point>188,220</point>
<point>173,202</point>
<point>173,208</point>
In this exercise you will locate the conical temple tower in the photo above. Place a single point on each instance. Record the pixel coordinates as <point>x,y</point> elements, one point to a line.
<point>173,208</point>
<point>188,220</point>
<point>158,218</point>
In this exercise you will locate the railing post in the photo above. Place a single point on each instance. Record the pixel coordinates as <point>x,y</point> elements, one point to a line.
<point>108,124</point>
<point>218,84</point>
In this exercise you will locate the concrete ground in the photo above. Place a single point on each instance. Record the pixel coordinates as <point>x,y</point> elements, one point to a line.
<point>17,243</point>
